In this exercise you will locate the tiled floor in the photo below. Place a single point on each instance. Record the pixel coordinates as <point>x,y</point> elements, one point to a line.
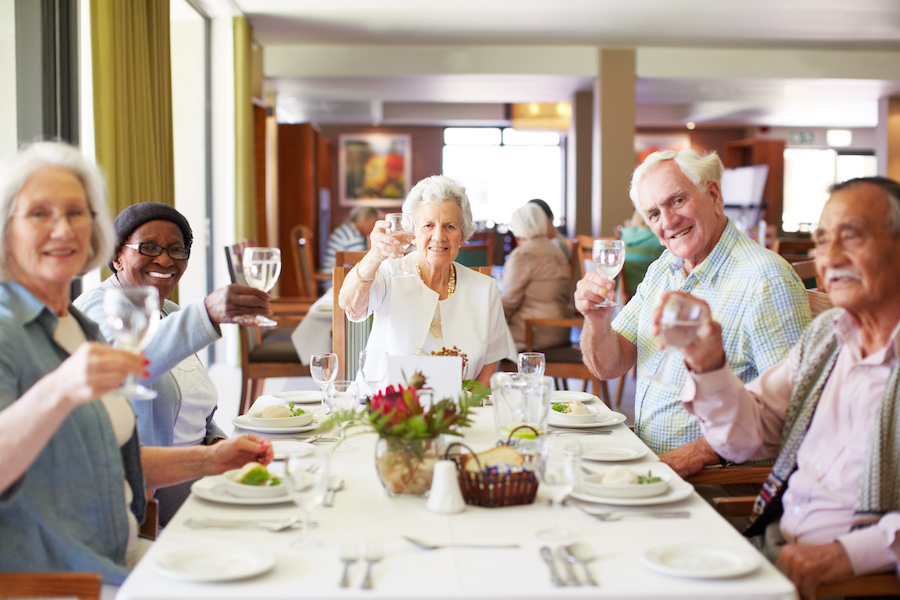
<point>228,382</point>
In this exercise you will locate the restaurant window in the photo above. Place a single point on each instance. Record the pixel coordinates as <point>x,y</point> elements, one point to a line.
<point>809,173</point>
<point>502,169</point>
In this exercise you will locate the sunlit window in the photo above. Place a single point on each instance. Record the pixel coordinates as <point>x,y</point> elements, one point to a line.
<point>504,169</point>
<point>807,176</point>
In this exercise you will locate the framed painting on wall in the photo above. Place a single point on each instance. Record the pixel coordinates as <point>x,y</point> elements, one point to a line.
<point>374,169</point>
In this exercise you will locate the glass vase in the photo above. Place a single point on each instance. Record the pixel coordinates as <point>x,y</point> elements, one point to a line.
<point>405,467</point>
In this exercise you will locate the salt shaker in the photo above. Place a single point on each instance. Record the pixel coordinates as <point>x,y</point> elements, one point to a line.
<point>445,496</point>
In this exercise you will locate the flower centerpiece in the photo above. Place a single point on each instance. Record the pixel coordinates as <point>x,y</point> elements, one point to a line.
<point>410,436</point>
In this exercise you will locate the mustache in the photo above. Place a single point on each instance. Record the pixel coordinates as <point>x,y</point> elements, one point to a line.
<point>842,274</point>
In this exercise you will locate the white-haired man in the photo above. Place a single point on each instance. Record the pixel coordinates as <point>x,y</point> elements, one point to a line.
<point>829,411</point>
<point>753,292</point>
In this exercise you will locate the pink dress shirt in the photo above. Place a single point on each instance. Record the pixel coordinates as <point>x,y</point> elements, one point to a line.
<point>745,423</point>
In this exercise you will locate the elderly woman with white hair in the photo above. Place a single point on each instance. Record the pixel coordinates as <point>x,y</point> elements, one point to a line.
<point>446,306</point>
<point>536,281</point>
<point>73,475</point>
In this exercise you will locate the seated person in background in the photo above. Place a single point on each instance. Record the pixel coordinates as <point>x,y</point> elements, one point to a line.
<point>552,234</point>
<point>829,411</point>
<point>536,281</point>
<point>352,236</point>
<point>752,291</point>
<point>73,475</point>
<point>444,307</point>
<point>641,249</point>
<point>152,247</point>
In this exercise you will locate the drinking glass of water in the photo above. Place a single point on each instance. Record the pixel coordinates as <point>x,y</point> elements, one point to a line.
<point>610,258</point>
<point>532,363</point>
<point>132,314</point>
<point>398,230</point>
<point>262,266</point>
<point>678,325</point>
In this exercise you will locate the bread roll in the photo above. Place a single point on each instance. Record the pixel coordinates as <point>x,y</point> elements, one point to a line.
<point>498,456</point>
<point>276,411</point>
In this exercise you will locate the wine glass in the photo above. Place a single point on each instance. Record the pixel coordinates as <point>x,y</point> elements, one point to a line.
<point>132,314</point>
<point>610,257</point>
<point>678,325</point>
<point>557,468</point>
<point>262,266</point>
<point>342,395</point>
<point>397,229</point>
<point>373,368</point>
<point>323,369</point>
<point>307,473</point>
<point>532,363</point>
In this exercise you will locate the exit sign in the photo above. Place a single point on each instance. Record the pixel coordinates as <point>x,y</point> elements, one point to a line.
<point>803,137</point>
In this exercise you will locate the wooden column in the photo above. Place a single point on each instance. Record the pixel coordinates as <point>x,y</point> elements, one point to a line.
<point>297,190</point>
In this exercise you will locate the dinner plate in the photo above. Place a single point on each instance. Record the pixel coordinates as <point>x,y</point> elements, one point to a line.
<point>568,396</point>
<point>612,451</point>
<point>678,490</point>
<point>300,397</point>
<point>213,489</point>
<point>701,561</point>
<point>243,421</point>
<point>604,419</point>
<point>208,563</point>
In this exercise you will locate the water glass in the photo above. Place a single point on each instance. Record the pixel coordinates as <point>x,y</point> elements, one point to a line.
<point>261,267</point>
<point>520,400</point>
<point>342,396</point>
<point>558,467</point>
<point>132,315</point>
<point>678,324</point>
<point>307,472</point>
<point>610,258</point>
<point>373,368</point>
<point>532,363</point>
<point>323,369</point>
<point>398,229</point>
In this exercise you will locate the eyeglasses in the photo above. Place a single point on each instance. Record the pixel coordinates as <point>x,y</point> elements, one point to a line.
<point>148,249</point>
<point>47,219</point>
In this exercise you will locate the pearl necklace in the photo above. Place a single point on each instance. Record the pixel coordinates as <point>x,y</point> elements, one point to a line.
<point>435,326</point>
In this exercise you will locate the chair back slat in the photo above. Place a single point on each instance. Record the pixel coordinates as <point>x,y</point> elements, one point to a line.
<point>819,302</point>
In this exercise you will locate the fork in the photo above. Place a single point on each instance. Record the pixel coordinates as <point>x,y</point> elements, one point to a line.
<point>373,555</point>
<point>280,525</point>
<point>619,515</point>
<point>432,546</point>
<point>348,556</point>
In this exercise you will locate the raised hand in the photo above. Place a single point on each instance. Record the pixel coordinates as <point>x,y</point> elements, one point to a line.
<point>237,304</point>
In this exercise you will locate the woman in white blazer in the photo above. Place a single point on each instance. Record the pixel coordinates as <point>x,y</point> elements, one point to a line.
<point>444,306</point>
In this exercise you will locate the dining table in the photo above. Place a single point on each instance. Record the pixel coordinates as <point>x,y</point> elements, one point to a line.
<point>635,554</point>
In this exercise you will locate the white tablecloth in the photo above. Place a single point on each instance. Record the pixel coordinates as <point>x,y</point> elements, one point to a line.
<point>364,512</point>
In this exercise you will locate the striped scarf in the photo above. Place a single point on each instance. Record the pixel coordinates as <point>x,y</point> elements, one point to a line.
<point>879,486</point>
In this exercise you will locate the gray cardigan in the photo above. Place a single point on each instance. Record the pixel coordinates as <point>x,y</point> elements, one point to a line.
<point>179,336</point>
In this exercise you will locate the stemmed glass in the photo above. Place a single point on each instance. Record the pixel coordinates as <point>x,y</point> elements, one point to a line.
<point>307,473</point>
<point>557,468</point>
<point>262,266</point>
<point>397,229</point>
<point>610,258</point>
<point>678,325</point>
<point>323,369</point>
<point>373,368</point>
<point>132,314</point>
<point>343,395</point>
<point>532,363</point>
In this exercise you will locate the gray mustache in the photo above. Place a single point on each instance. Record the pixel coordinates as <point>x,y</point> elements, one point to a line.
<point>842,274</point>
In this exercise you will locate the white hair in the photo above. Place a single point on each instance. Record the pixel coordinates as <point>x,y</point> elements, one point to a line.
<point>528,222</point>
<point>16,170</point>
<point>699,169</point>
<point>439,188</point>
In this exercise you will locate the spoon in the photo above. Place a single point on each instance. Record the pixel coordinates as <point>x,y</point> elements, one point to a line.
<point>547,555</point>
<point>583,554</point>
<point>227,523</point>
<point>335,484</point>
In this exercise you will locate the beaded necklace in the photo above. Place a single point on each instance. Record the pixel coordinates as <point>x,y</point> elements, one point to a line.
<point>435,326</point>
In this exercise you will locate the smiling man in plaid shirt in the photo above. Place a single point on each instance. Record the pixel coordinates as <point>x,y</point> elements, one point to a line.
<point>752,292</point>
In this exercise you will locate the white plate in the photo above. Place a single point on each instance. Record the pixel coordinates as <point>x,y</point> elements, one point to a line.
<point>604,419</point>
<point>213,489</point>
<point>243,422</point>
<point>282,448</point>
<point>701,561</point>
<point>208,563</point>
<point>593,484</point>
<point>612,451</point>
<point>300,397</point>
<point>568,396</point>
<point>678,490</point>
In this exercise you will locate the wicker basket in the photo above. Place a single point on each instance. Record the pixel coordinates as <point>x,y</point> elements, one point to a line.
<point>493,489</point>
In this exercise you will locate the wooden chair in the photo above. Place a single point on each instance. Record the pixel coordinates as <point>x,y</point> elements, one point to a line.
<point>83,586</point>
<point>303,248</point>
<point>806,270</point>
<point>880,584</point>
<point>792,249</point>
<point>819,302</point>
<point>566,362</point>
<point>479,250</point>
<point>150,527</point>
<point>264,357</point>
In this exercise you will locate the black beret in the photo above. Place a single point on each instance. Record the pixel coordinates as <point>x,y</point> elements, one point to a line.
<point>137,214</point>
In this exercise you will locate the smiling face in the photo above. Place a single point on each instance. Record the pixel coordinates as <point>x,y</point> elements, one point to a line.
<point>856,257</point>
<point>45,259</point>
<point>162,272</point>
<point>438,233</point>
<point>688,221</point>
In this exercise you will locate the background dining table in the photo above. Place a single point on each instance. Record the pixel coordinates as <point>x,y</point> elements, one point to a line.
<point>363,512</point>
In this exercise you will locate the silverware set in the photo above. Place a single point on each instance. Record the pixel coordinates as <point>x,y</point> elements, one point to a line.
<point>571,556</point>
<point>372,553</point>
<point>618,515</point>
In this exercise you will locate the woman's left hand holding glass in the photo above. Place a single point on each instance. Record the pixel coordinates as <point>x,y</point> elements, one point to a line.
<point>237,304</point>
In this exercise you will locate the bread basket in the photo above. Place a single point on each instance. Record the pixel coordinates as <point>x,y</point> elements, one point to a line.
<point>493,489</point>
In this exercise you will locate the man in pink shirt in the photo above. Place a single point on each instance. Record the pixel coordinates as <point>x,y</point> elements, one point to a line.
<point>830,411</point>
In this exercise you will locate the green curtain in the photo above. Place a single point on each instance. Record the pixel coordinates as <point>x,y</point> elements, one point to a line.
<point>244,175</point>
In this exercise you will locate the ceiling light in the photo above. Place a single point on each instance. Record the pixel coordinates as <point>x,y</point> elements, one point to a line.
<point>690,125</point>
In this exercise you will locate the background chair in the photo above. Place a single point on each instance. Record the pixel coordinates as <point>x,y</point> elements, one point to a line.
<point>303,248</point>
<point>83,586</point>
<point>806,270</point>
<point>792,249</point>
<point>270,355</point>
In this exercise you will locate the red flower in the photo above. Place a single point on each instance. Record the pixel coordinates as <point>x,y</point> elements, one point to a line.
<point>398,402</point>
